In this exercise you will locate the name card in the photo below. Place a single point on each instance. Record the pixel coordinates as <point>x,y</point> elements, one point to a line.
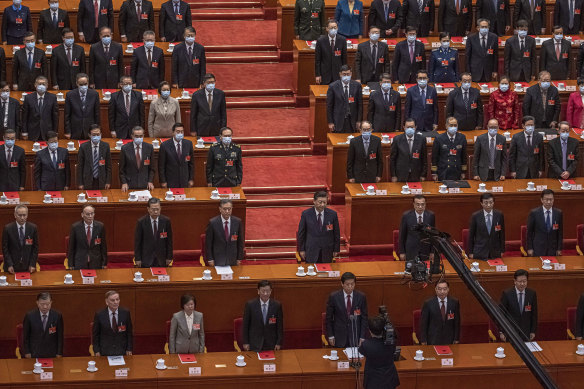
<point>47,375</point>
<point>101,199</point>
<point>163,278</point>
<point>88,280</point>
<point>334,273</point>
<point>58,200</point>
<point>447,361</point>
<point>180,197</point>
<point>541,187</point>
<point>121,372</point>
<point>550,137</point>
<point>227,276</point>
<point>559,266</point>
<point>14,201</point>
<point>416,191</point>
<point>27,282</point>
<point>234,196</point>
<point>195,370</point>
<point>342,365</point>
<point>270,368</point>
<point>576,187</point>
<point>429,139</point>
<point>501,268</point>
<point>382,192</point>
<point>453,190</point>
<point>435,44</point>
<point>497,189</point>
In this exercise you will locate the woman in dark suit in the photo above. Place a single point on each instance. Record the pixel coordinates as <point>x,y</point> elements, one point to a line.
<point>380,371</point>
<point>575,110</point>
<point>187,334</point>
<point>349,15</point>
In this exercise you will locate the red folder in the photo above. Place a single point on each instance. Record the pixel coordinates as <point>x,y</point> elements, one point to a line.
<point>81,141</point>
<point>126,141</point>
<point>578,131</point>
<point>54,193</point>
<point>209,139</point>
<point>1,142</point>
<point>456,39</point>
<point>390,134</point>
<point>448,85</point>
<point>391,42</point>
<point>46,362</point>
<point>187,358</point>
<point>414,185</point>
<point>88,273</point>
<point>11,195</point>
<point>322,267</point>
<point>552,259</point>
<point>408,86</point>
<point>42,143</point>
<point>224,191</point>
<point>137,44</point>
<point>93,193</point>
<point>109,90</point>
<point>423,40</point>
<point>364,186</point>
<point>158,271</point>
<point>150,91</point>
<point>495,262</point>
<point>571,182</point>
<point>162,140</point>
<point>177,191</point>
<point>22,275</point>
<point>443,350</point>
<point>266,356</point>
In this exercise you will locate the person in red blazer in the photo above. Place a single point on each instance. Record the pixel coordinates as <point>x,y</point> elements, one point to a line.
<point>575,110</point>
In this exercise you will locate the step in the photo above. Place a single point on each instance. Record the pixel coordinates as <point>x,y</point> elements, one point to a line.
<point>283,189</point>
<point>244,57</point>
<point>225,4</point>
<point>228,14</point>
<point>274,200</point>
<point>268,150</point>
<point>261,102</point>
<point>233,34</point>
<point>228,48</point>
<point>284,171</point>
<point>276,77</point>
<point>269,140</point>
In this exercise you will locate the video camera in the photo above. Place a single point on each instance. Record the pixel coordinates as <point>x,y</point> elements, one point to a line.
<point>389,335</point>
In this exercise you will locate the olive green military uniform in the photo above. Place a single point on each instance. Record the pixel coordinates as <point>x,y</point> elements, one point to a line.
<point>309,19</point>
<point>224,165</point>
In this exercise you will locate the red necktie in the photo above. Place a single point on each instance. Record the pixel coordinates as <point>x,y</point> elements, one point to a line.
<point>96,11</point>
<point>227,231</point>
<point>349,306</point>
<point>138,159</point>
<point>442,309</point>
<point>88,235</point>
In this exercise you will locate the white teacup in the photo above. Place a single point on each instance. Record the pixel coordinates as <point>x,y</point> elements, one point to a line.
<point>3,199</point>
<point>475,266</point>
<point>68,278</point>
<point>36,146</point>
<point>313,45</point>
<point>137,276</point>
<point>91,366</point>
<point>144,96</point>
<point>443,188</point>
<point>207,274</point>
<point>133,196</point>
<point>70,146</point>
<point>482,186</point>
<point>385,138</point>
<point>81,198</point>
<point>401,88</point>
<point>240,360</point>
<point>169,195</point>
<point>349,44</point>
<point>580,349</point>
<point>370,189</point>
<point>530,185</point>
<point>366,90</point>
<point>419,354</point>
<point>2,280</point>
<point>507,135</point>
<point>171,46</point>
<point>500,351</point>
<point>48,49</point>
<point>48,198</point>
<point>107,95</point>
<point>349,137</point>
<point>185,94</point>
<point>300,270</point>
<point>405,189</point>
<point>60,96</point>
<point>334,354</point>
<point>484,88</point>
<point>15,49</point>
<point>561,86</point>
<point>160,363</point>
<point>311,271</point>
<point>200,143</point>
<point>38,368</point>
<point>156,143</point>
<point>215,194</point>
<point>130,47</point>
<point>439,88</point>
<point>565,185</point>
<point>119,144</point>
<point>547,264</point>
<point>518,87</point>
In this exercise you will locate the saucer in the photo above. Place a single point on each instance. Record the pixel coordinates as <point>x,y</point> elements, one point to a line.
<point>570,188</point>
<point>531,190</point>
<point>136,280</point>
<point>92,370</point>
<point>3,202</point>
<point>200,147</point>
<point>38,371</point>
<point>207,279</point>
<point>69,283</point>
<point>443,192</point>
<point>129,199</point>
<point>129,51</point>
<point>475,271</point>
<point>73,149</point>
<point>333,359</point>
<point>82,201</point>
<point>161,368</point>
<point>500,356</point>
<point>419,359</point>
<point>373,194</point>
<point>118,148</point>
<point>311,274</point>
<point>48,202</point>
<point>172,199</point>
<point>547,267</point>
<point>481,190</point>
<point>406,193</point>
<point>36,151</point>
<point>579,353</point>
<point>240,364</point>
<point>301,275</point>
<point>385,142</point>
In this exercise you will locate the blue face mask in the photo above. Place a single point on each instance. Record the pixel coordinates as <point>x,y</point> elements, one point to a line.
<point>333,32</point>
<point>445,45</point>
<point>545,85</point>
<point>366,134</point>
<point>346,79</point>
<point>465,85</point>
<point>165,93</point>
<point>374,36</point>
<point>529,129</point>
<point>386,86</point>
<point>226,140</point>
<point>564,135</point>
<point>210,87</point>
<point>29,45</point>
<point>54,6</point>
<point>410,131</point>
<point>53,146</point>
<point>9,142</point>
<point>504,87</point>
<point>483,31</point>
<point>149,44</point>
<point>127,88</point>
<point>179,136</point>
<point>522,33</point>
<point>41,88</point>
<point>83,88</point>
<point>558,37</point>
<point>411,38</point>
<point>95,139</point>
<point>16,2</point>
<point>190,40</point>
<point>69,42</point>
<point>106,40</point>
<point>452,130</point>
<point>493,131</point>
<point>422,83</point>
<point>138,141</point>
<point>5,95</point>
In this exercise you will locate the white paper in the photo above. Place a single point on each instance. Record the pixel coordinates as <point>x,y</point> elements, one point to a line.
<point>223,270</point>
<point>116,360</point>
<point>349,352</point>
<point>533,346</point>
<point>142,193</point>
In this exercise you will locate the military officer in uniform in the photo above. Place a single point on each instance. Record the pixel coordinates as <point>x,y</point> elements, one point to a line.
<point>449,153</point>
<point>444,61</point>
<point>224,166</point>
<point>309,19</point>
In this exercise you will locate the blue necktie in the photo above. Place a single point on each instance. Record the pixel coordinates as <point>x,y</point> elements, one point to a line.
<point>548,221</point>
<point>30,59</point>
<point>55,19</point>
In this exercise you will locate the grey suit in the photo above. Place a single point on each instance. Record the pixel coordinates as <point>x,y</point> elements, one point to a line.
<point>180,341</point>
<point>161,120</point>
<point>481,157</point>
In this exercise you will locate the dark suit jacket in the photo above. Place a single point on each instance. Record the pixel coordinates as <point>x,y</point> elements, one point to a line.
<point>104,72</point>
<point>259,335</point>
<point>408,166</point>
<point>37,123</point>
<point>579,330</point>
<point>434,330</point>
<point>47,31</point>
<point>79,117</point>
<point>385,117</point>
<point>469,116</point>
<point>425,113</point>
<point>20,255</point>
<point>2,64</point>
<point>147,77</point>
<point>14,119</point>
<point>370,69</point>
<point>403,69</point>
<point>380,371</point>
<point>449,158</point>
<point>13,175</point>
<point>137,178</point>
<point>222,252</point>
<point>39,342</point>
<point>64,74</point>
<point>85,165</point>
<point>176,171</point>
<point>481,63</point>
<point>153,251</point>
<point>337,105</point>
<point>172,27</point>
<point>539,239</point>
<point>457,24</point>
<point>24,76</point>
<point>580,64</point>
<point>423,21</point>
<point>522,10</point>
<point>520,64</point>
<point>82,255</point>
<point>562,16</point>
<point>559,69</point>
<point>129,24</point>
<point>377,17</point>
<point>319,244</point>
<point>188,72</point>
<point>365,166</point>
<point>526,161</point>
<point>13,32</point>
<point>105,340</point>
<point>481,243</point>
<point>86,18</point>
<point>119,120</point>
<point>481,156</point>
<point>338,323</point>
<point>327,64</point>
<point>527,321</point>
<point>499,17</point>
<point>46,176</point>
<point>554,157</point>
<point>205,122</point>
<point>409,240</point>
<point>532,105</point>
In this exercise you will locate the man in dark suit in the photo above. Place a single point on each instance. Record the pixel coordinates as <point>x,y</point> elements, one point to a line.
<point>106,63</point>
<point>263,321</point>
<point>490,155</point>
<point>449,156</point>
<point>94,162</point>
<point>330,54</point>
<point>440,320</point>
<point>466,105</point>
<point>87,247</point>
<point>20,243</point>
<point>52,22</point>
<point>126,110</point>
<point>455,17</point>
<point>520,305</point>
<point>482,57</point>
<point>384,110</point>
<point>208,109</point>
<point>224,237</point>
<point>562,154</point>
<point>28,64</point>
<point>176,160</point>
<point>520,55</point>
<point>486,235</point>
<point>148,64</point>
<point>379,371</point>
<point>346,314</point>
<point>81,109</point>
<point>9,110</point>
<point>88,24</point>
<point>542,101</point>
<point>40,113</point>
<point>112,328</point>
<point>545,228</point>
<point>387,15</point>
<point>153,238</point>
<point>526,152</point>
<point>407,159</point>
<point>344,105</point>
<point>67,61</point>
<point>555,55</point>
<point>409,56</point>
<point>137,163</point>
<point>136,17</point>
<point>318,237</point>
<point>579,330</point>
<point>497,12</point>
<point>175,16</point>
<point>372,58</point>
<point>410,246</point>
<point>224,166</point>
<point>422,104</point>
<point>51,166</point>
<point>534,12</point>
<point>419,15</point>
<point>42,330</point>
<point>13,165</point>
<point>189,62</point>
<point>569,15</point>
<point>365,157</point>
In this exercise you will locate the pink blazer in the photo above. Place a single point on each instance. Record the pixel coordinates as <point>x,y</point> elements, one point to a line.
<point>575,110</point>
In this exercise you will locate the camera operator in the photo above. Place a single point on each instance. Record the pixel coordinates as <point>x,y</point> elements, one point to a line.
<point>380,371</point>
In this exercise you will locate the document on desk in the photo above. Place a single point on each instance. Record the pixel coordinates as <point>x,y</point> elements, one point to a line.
<point>116,360</point>
<point>223,270</point>
<point>351,352</point>
<point>533,346</point>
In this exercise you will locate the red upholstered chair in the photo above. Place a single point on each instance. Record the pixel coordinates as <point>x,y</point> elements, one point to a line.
<point>570,322</point>
<point>323,338</point>
<point>396,245</point>
<point>580,238</point>
<point>167,333</point>
<point>19,340</point>
<point>524,240</point>
<point>238,334</point>
<point>91,339</point>
<point>493,331</point>
<point>465,240</point>
<point>203,258</point>
<point>416,315</point>
<point>127,70</point>
<point>66,263</point>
